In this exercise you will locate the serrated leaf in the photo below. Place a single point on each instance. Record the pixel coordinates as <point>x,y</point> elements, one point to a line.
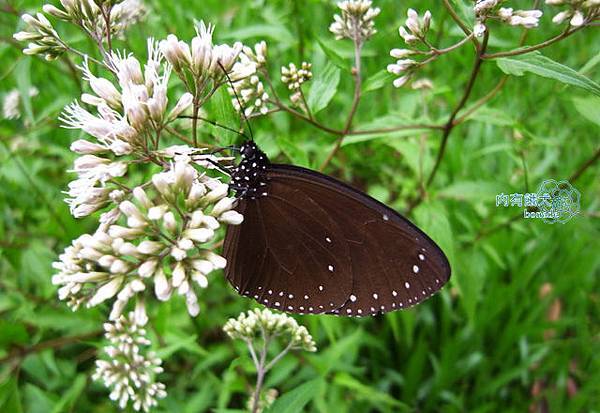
<point>323,88</point>
<point>543,66</point>
<point>294,401</point>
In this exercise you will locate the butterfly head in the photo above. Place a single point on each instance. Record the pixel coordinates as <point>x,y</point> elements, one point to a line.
<point>248,178</point>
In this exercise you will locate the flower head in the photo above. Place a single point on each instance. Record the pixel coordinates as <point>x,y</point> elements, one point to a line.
<point>158,239</point>
<point>356,21</point>
<point>258,322</point>
<point>129,370</point>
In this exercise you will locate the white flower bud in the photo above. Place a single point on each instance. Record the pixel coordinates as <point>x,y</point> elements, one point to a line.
<point>200,279</point>
<point>203,266</point>
<point>199,234</point>
<point>150,247</point>
<point>81,146</point>
<point>141,196</point>
<point>157,212</point>
<point>178,275</point>
<point>148,268</point>
<point>220,191</point>
<point>162,287</point>
<point>191,302</point>
<point>169,222</point>
<point>140,316</point>
<point>105,292</point>
<point>182,105</point>
<point>178,254</point>
<point>119,267</point>
<point>233,217</point>
<point>222,205</point>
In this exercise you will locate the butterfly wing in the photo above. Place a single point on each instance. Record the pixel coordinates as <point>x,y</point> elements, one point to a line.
<point>376,260</point>
<point>394,264</point>
<point>289,253</point>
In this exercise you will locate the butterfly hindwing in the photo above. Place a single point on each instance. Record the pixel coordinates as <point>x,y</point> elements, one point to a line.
<point>288,254</point>
<point>394,264</point>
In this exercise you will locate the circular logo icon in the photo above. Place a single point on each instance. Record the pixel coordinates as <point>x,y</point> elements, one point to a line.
<point>558,200</point>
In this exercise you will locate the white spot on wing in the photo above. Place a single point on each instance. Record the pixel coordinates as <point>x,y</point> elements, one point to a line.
<point>330,268</point>
<point>353,298</point>
<point>421,257</point>
<point>328,239</point>
<point>415,269</point>
<point>375,296</point>
<point>320,288</point>
<point>407,285</point>
<point>385,217</point>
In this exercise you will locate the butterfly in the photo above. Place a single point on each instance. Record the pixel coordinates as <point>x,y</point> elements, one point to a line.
<point>311,244</point>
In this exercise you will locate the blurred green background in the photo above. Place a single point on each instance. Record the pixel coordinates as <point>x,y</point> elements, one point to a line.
<point>516,330</point>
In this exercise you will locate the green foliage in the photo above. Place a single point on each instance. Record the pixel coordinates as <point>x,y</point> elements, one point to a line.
<point>481,345</point>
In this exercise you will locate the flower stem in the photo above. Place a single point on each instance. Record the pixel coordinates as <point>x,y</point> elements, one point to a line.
<point>355,101</point>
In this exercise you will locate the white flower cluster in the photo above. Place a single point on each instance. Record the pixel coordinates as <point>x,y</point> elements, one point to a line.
<point>246,83</point>
<point>267,398</point>
<point>485,9</point>
<point>125,14</point>
<point>42,38</point>
<point>89,14</point>
<point>130,370</point>
<point>578,13</point>
<point>294,78</point>
<point>356,22</point>
<point>164,244</point>
<point>125,122</point>
<point>413,33</point>
<point>11,104</point>
<point>201,66</point>
<point>526,18</point>
<point>264,322</point>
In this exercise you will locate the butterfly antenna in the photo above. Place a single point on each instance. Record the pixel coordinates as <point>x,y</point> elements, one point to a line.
<point>214,124</point>
<point>239,101</point>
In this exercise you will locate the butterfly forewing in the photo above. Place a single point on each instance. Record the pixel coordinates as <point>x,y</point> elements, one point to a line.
<point>394,264</point>
<point>289,253</point>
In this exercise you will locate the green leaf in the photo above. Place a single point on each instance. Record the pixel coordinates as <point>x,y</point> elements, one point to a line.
<point>277,32</point>
<point>296,154</point>
<point>432,218</point>
<point>68,399</point>
<point>223,114</point>
<point>377,81</point>
<point>589,108</point>
<point>543,66</point>
<point>362,391</point>
<point>334,58</point>
<point>295,400</point>
<point>385,121</point>
<point>10,400</point>
<point>323,88</point>
<point>491,116</point>
<point>23,77</point>
<point>484,191</point>
<point>12,333</point>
